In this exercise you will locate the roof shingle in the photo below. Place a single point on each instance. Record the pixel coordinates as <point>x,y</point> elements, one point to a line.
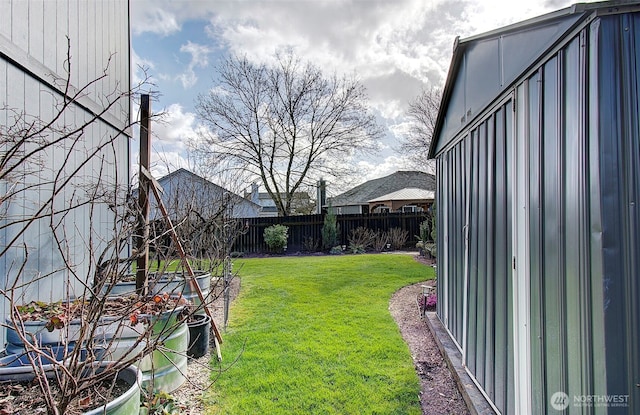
<point>362,194</point>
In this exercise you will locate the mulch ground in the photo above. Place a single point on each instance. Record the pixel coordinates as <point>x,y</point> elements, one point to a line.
<point>439,393</point>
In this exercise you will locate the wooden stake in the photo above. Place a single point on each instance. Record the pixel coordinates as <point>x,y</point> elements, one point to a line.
<point>183,256</point>
<point>142,242</point>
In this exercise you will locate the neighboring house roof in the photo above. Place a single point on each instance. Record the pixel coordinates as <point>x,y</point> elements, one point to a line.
<point>204,192</point>
<point>300,200</point>
<point>362,194</point>
<point>265,199</point>
<point>406,194</point>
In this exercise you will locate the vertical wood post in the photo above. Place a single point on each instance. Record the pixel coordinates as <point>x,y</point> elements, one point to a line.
<point>142,243</point>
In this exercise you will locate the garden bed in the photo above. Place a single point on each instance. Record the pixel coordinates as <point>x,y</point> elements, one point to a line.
<point>26,398</point>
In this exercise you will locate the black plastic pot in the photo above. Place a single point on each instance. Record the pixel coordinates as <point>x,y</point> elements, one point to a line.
<point>199,328</point>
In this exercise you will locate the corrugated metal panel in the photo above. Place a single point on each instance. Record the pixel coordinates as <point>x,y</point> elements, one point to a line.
<point>457,235</point>
<point>567,330</point>
<point>474,182</point>
<point>39,30</point>
<point>59,40</point>
<point>49,32</point>
<point>5,22</point>
<point>36,37</point>
<point>562,333</point>
<point>618,140</point>
<point>82,24</point>
<point>75,40</point>
<point>19,24</point>
<point>489,350</point>
<point>486,66</point>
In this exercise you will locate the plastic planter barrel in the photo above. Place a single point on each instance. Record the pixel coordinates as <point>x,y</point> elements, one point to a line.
<point>199,328</point>
<point>125,404</point>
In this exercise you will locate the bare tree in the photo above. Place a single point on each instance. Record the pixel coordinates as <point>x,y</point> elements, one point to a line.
<point>423,112</point>
<point>286,124</point>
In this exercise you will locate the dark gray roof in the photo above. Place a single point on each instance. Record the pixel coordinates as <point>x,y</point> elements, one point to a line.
<point>375,188</point>
<point>499,58</point>
<point>191,177</point>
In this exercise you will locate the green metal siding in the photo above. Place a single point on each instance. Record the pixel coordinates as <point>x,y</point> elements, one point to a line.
<point>583,244</point>
<point>476,176</point>
<point>578,133</point>
<point>617,43</point>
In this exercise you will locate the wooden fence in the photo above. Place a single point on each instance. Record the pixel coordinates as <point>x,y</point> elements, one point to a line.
<point>305,231</point>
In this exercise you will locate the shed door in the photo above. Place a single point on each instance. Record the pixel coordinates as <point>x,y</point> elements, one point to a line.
<point>484,233</point>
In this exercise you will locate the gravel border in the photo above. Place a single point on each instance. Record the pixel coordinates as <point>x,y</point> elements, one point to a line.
<point>189,395</point>
<point>439,392</point>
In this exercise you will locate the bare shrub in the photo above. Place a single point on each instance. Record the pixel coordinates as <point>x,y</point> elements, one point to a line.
<point>86,260</point>
<point>361,239</point>
<point>398,238</point>
<point>380,240</point>
<point>310,244</point>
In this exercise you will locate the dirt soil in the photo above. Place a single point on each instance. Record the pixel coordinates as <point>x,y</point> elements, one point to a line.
<point>438,395</point>
<point>438,391</point>
<point>26,398</point>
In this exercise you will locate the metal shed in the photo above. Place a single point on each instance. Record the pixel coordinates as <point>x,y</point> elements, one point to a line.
<point>538,167</point>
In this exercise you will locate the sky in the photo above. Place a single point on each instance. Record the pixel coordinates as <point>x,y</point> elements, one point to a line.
<point>394,47</point>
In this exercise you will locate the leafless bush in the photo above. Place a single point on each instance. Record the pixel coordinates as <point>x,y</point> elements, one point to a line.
<point>310,244</point>
<point>398,238</point>
<point>88,259</point>
<point>361,239</point>
<point>380,240</point>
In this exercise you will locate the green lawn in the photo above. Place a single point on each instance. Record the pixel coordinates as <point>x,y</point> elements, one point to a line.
<point>318,338</point>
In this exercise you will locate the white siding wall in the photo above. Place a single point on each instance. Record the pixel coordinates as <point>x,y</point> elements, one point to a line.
<point>34,39</point>
<point>40,33</point>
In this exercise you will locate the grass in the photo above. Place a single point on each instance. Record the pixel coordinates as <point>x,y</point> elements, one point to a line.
<point>315,336</point>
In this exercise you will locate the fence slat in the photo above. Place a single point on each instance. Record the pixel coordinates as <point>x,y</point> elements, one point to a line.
<point>309,227</point>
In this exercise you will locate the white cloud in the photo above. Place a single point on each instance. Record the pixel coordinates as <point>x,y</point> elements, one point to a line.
<point>175,128</point>
<point>170,134</point>
<point>395,47</point>
<point>153,18</point>
<point>138,66</point>
<point>379,168</point>
<point>199,59</point>
<point>483,16</point>
<point>188,78</point>
<point>199,53</point>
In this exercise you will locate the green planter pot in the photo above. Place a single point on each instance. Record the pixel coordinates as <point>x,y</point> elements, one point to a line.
<point>173,283</point>
<point>162,369</point>
<point>126,404</point>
